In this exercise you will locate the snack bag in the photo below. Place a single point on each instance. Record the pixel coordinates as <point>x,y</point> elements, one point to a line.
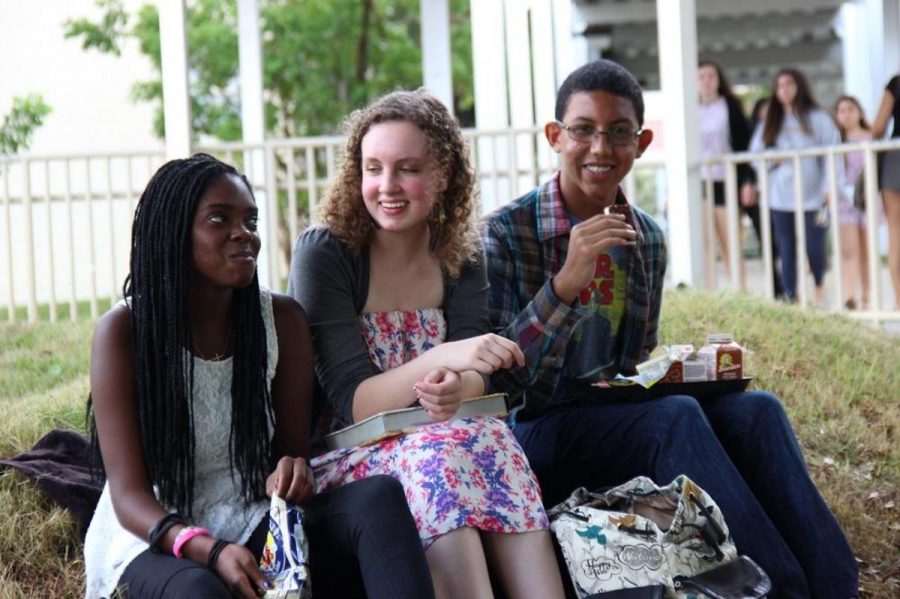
<point>285,558</point>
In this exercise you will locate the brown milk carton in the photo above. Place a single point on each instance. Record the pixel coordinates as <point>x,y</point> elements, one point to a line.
<point>723,357</point>
<point>675,373</point>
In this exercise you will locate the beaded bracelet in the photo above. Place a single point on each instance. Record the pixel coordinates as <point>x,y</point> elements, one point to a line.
<point>213,557</point>
<point>159,530</point>
<point>186,534</point>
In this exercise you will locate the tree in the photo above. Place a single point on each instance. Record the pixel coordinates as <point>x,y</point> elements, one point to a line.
<point>24,118</point>
<point>322,58</point>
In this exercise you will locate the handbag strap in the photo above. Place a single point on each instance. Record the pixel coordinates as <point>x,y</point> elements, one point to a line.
<point>710,530</point>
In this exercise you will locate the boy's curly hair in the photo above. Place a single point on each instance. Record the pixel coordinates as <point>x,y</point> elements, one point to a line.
<point>453,241</point>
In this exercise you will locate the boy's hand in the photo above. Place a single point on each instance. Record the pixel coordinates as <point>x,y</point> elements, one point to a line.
<point>588,240</point>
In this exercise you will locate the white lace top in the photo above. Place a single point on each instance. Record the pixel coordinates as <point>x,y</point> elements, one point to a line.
<point>109,548</point>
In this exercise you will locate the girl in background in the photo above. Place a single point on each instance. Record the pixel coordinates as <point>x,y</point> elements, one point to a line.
<point>757,116</point>
<point>796,121</point>
<point>724,130</point>
<point>889,178</point>
<point>854,245</point>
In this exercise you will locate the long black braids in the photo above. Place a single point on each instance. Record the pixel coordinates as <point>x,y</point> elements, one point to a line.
<point>156,288</point>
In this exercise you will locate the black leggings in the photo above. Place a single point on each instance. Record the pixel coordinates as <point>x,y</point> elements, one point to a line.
<point>362,543</point>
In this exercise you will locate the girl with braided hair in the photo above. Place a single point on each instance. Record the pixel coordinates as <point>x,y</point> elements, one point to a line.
<point>201,385</point>
<point>396,292</point>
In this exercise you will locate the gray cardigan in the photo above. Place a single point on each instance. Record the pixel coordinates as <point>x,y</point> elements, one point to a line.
<point>332,283</point>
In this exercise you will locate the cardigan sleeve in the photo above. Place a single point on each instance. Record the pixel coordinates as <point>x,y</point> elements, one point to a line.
<point>465,305</point>
<point>327,281</point>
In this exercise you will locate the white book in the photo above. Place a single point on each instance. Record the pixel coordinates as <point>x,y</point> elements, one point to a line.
<point>397,422</point>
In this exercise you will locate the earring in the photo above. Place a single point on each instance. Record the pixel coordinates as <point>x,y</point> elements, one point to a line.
<point>437,214</point>
<point>436,225</point>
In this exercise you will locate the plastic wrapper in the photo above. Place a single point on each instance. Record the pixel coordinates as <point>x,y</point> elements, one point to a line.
<point>285,558</point>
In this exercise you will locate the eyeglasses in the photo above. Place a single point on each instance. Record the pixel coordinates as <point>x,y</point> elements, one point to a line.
<point>617,135</point>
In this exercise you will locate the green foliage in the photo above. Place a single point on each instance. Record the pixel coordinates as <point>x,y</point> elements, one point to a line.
<point>25,117</point>
<point>322,59</point>
<point>105,35</point>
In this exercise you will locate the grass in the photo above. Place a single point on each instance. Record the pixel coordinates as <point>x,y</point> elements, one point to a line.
<point>63,311</point>
<point>837,377</point>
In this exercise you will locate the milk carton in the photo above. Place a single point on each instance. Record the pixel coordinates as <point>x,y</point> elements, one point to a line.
<point>722,356</point>
<point>686,367</point>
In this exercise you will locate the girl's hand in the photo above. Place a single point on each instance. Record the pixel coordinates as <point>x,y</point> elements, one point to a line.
<point>291,480</point>
<point>484,354</point>
<point>238,569</point>
<point>440,393</point>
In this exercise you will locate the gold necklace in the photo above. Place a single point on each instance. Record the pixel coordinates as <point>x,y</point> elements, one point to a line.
<point>218,356</point>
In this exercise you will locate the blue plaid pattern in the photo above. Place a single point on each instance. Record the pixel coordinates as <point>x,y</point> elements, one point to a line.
<point>525,244</point>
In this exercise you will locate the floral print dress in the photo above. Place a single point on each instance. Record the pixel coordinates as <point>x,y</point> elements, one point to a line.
<point>464,472</point>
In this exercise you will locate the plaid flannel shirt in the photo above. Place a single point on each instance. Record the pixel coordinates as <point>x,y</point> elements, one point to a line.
<point>525,244</point>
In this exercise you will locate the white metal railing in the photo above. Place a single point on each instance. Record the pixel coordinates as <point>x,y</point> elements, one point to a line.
<point>66,228</point>
<point>878,307</point>
<point>66,220</point>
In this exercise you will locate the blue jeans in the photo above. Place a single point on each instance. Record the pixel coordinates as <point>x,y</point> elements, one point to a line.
<point>739,447</point>
<point>786,240</point>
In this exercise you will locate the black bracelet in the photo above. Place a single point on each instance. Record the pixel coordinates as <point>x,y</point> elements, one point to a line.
<point>159,530</point>
<point>213,556</point>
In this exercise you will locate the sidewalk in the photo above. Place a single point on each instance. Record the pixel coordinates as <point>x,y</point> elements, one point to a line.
<point>755,285</point>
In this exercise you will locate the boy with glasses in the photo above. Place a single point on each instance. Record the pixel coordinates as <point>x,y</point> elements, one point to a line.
<point>576,276</point>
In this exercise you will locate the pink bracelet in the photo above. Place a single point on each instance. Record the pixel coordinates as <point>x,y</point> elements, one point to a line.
<point>186,534</point>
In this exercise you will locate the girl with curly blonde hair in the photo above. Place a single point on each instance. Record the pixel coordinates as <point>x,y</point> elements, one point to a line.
<point>394,286</point>
<point>452,237</point>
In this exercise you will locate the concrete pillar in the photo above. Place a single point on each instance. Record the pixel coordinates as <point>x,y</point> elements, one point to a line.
<point>253,130</point>
<point>519,149</point>
<point>176,99</point>
<point>677,27</point>
<point>544,58</point>
<point>491,97</point>
<point>857,49</point>
<point>570,25</point>
<point>891,34</point>
<point>253,127</point>
<point>436,63</point>
<point>571,46</point>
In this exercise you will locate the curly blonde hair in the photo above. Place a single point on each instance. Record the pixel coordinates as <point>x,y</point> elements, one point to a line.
<point>453,239</point>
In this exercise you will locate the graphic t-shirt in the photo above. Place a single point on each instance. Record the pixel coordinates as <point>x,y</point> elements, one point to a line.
<point>590,355</point>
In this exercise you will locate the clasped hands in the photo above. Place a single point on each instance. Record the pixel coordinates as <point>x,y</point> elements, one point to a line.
<point>442,390</point>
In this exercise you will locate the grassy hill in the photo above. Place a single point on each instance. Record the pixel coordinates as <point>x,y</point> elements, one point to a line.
<point>838,377</point>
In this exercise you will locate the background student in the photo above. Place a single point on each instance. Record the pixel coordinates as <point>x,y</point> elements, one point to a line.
<point>854,241</point>
<point>796,121</point>
<point>889,178</point>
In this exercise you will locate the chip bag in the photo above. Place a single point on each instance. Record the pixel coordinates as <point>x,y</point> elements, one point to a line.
<point>285,558</point>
